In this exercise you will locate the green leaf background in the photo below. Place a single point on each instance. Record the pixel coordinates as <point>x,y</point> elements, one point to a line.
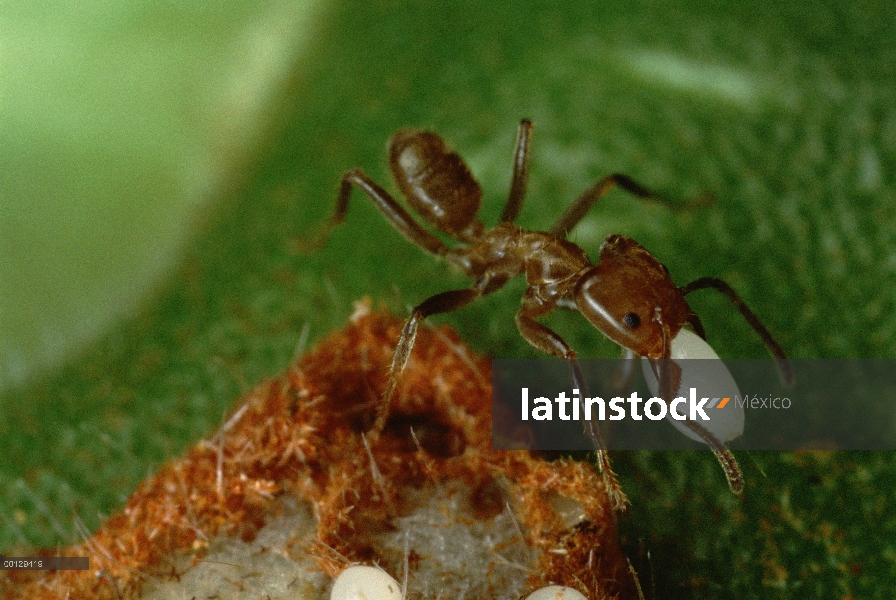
<point>782,113</point>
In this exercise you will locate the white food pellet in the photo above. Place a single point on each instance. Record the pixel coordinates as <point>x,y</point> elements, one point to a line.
<point>556,592</point>
<point>711,377</point>
<point>688,344</point>
<point>365,583</point>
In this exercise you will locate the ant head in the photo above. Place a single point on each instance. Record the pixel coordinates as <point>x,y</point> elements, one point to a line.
<point>631,299</point>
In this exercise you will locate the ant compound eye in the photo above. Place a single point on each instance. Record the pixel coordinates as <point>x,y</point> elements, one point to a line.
<point>631,320</point>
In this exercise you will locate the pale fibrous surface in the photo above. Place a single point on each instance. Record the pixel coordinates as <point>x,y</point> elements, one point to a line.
<point>240,570</point>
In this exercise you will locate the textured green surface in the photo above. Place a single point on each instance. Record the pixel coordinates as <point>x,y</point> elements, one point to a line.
<point>785,114</point>
<point>117,123</point>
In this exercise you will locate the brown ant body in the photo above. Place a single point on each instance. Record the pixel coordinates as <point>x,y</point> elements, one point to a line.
<point>628,295</point>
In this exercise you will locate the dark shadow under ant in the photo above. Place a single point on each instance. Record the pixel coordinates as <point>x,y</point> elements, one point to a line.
<point>628,295</point>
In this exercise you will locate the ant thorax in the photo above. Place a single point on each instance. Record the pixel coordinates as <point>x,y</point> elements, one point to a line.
<point>549,263</point>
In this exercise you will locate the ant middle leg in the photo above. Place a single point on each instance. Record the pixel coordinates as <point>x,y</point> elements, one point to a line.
<point>548,341</point>
<point>784,366</point>
<point>578,209</point>
<point>440,303</point>
<point>520,179</point>
<point>397,216</point>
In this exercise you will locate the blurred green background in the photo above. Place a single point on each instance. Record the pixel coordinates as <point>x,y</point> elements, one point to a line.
<point>160,165</point>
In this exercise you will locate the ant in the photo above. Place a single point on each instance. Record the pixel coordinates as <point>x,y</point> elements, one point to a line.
<point>627,295</point>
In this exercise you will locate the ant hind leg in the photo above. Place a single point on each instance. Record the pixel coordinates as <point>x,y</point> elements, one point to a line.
<point>397,216</point>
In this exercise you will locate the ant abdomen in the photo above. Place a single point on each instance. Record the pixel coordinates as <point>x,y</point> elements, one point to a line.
<point>436,182</point>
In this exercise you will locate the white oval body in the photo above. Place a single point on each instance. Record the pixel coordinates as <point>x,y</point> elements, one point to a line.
<point>726,423</point>
<point>365,583</point>
<point>556,592</point>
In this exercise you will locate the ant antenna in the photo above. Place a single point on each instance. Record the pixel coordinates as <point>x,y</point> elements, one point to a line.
<point>784,367</point>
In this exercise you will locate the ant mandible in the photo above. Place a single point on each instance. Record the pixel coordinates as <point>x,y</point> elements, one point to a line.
<point>628,295</point>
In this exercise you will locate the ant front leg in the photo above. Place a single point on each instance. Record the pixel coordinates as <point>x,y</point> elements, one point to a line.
<point>669,377</point>
<point>549,342</point>
<point>623,376</point>
<point>397,216</point>
<point>440,303</point>
<point>729,464</point>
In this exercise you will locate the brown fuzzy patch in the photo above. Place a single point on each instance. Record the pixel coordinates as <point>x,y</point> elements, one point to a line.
<point>301,433</point>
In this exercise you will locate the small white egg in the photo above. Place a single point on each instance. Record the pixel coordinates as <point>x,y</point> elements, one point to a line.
<point>556,592</point>
<point>710,378</point>
<point>365,583</point>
